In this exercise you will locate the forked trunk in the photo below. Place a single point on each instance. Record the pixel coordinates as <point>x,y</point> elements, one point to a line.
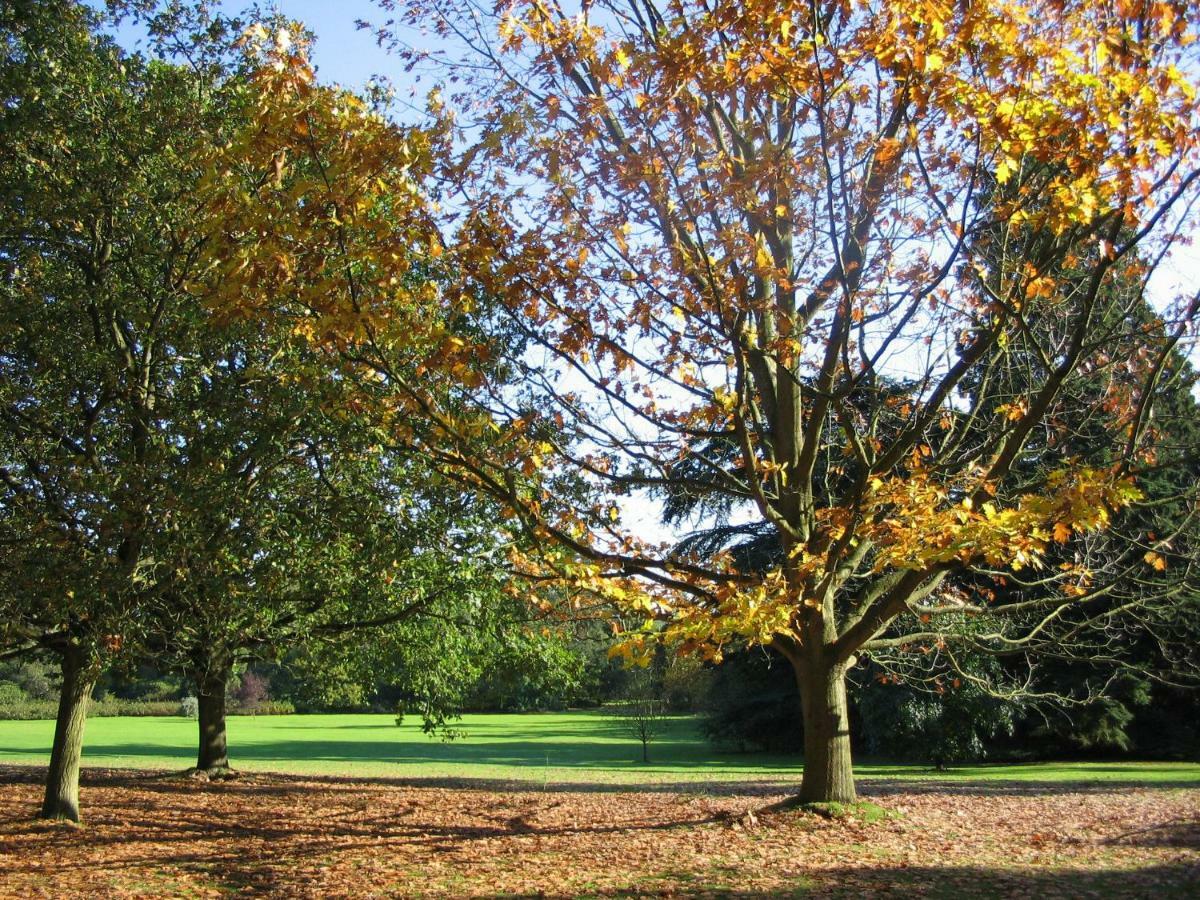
<point>214,749</point>
<point>828,768</point>
<point>62,778</point>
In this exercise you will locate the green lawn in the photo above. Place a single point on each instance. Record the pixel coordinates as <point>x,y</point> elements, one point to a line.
<point>554,748</point>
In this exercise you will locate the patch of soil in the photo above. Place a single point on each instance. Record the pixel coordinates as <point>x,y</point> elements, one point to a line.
<point>283,836</point>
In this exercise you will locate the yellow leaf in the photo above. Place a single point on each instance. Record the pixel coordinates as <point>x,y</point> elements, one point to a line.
<point>1155,560</point>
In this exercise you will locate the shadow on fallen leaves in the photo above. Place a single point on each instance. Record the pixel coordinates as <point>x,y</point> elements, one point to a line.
<point>1164,882</point>
<point>147,835</point>
<point>1183,832</point>
<point>1024,788</point>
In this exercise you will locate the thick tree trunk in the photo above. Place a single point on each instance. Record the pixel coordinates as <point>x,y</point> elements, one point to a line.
<point>828,769</point>
<point>214,749</point>
<point>62,778</point>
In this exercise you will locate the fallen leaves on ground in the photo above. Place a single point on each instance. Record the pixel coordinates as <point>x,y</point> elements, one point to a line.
<point>147,835</point>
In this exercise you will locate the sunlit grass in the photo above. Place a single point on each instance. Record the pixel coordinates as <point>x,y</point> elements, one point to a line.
<point>553,748</point>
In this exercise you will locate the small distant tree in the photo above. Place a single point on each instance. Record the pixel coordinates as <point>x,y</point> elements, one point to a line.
<point>641,709</point>
<point>189,707</point>
<point>252,691</point>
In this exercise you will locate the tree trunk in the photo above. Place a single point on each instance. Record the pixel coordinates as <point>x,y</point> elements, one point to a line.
<point>62,778</point>
<point>214,752</point>
<point>828,769</point>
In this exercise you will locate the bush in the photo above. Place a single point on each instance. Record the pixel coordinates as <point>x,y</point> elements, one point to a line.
<point>252,692</point>
<point>527,672</point>
<point>29,709</point>
<point>36,678</point>
<point>48,709</point>
<point>269,708</point>
<point>10,694</point>
<point>153,690</point>
<point>955,721</point>
<point>105,708</point>
<point>753,704</point>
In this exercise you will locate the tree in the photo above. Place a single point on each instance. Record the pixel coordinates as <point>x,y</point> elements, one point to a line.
<point>328,558</point>
<point>641,708</point>
<point>313,194</point>
<point>745,224</point>
<point>275,521</point>
<point>99,158</point>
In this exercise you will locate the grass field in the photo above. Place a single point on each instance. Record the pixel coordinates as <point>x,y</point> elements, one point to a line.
<point>548,748</point>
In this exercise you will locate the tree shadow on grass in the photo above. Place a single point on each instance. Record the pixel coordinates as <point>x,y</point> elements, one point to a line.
<point>536,777</point>
<point>667,756</point>
<point>248,780</point>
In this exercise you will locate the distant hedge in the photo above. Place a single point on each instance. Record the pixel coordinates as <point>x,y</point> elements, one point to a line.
<point>48,709</point>
<point>266,708</point>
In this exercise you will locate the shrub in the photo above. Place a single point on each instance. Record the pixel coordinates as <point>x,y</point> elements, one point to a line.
<point>152,690</point>
<point>252,692</point>
<point>752,704</point>
<point>29,709</point>
<point>135,708</point>
<point>189,707</point>
<point>956,723</point>
<point>48,709</point>
<point>269,708</point>
<point>11,694</point>
<point>36,678</point>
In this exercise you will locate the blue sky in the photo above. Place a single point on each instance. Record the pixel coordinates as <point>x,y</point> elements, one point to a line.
<point>343,53</point>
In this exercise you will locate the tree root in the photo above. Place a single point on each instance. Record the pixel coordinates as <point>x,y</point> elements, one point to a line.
<point>216,773</point>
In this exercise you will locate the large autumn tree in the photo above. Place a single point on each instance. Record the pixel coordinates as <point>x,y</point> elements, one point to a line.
<point>744,225</point>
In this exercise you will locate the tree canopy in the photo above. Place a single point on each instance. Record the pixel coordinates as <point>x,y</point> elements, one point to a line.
<point>745,224</point>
